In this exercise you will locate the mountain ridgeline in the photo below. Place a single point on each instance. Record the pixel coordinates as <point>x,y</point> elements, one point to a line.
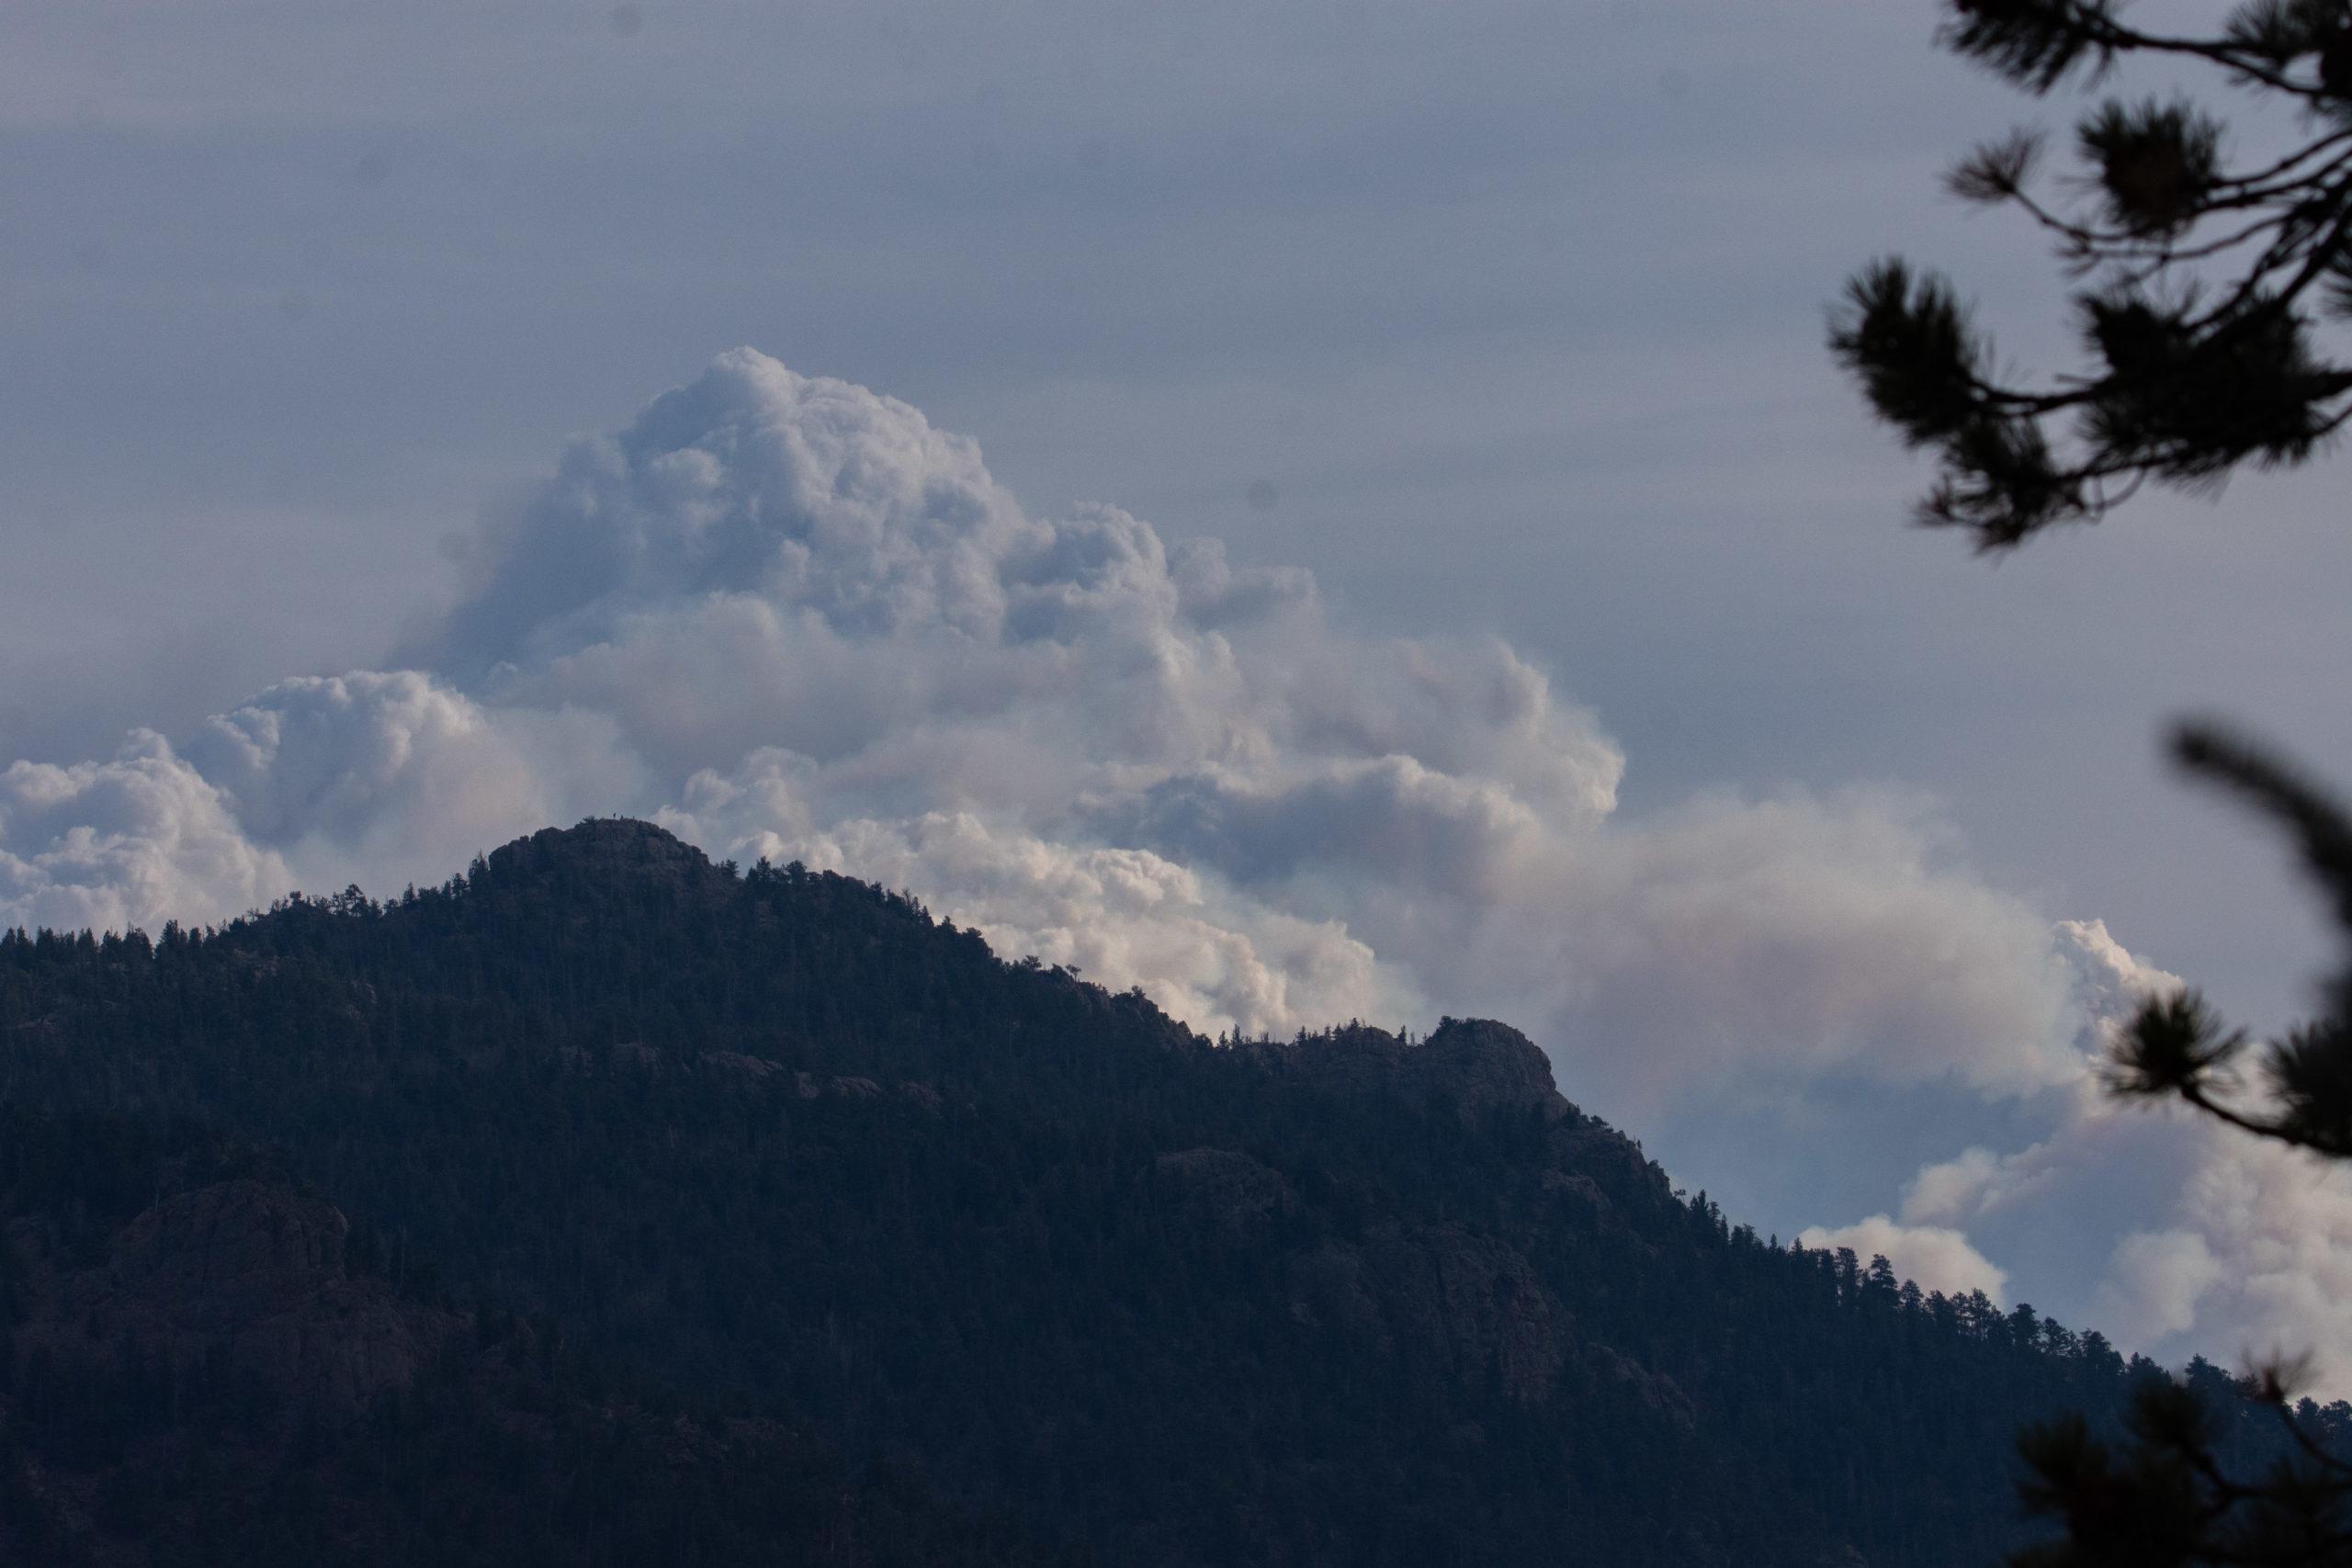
<point>605,1204</point>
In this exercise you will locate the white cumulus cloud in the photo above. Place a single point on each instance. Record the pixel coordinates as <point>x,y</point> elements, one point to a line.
<point>2172,1234</point>
<point>134,841</point>
<point>1936,1258</point>
<point>787,617</point>
<point>780,607</point>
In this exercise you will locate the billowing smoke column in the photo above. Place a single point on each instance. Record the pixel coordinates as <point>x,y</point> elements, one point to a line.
<point>786,618</point>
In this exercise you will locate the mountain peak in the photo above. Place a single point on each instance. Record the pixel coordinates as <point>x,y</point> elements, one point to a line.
<point>605,848</point>
<point>603,834</point>
<point>1481,1064</point>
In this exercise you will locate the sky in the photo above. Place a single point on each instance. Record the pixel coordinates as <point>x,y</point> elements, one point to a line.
<point>1320,511</point>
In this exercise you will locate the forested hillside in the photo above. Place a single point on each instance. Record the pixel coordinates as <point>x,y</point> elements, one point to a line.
<point>209,1366</point>
<point>605,1194</point>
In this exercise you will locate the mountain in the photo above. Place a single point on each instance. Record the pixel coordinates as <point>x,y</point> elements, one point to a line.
<point>605,1203</point>
<point>204,1368</point>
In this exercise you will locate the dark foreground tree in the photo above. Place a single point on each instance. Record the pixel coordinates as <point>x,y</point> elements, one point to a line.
<point>2166,1496</point>
<point>2207,287</point>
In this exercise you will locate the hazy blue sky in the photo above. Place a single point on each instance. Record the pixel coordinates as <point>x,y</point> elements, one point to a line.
<point>1501,320</point>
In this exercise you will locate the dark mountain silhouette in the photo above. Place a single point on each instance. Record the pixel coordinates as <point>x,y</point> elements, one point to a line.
<point>618,1206</point>
<point>205,1369</point>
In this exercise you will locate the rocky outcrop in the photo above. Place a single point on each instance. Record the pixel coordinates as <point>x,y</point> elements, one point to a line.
<point>242,1278</point>
<point>1224,1192</point>
<point>1481,1067</point>
<point>636,1057</point>
<point>609,855</point>
<point>1474,1067</point>
<point>1467,1304</point>
<point>1661,1395</point>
